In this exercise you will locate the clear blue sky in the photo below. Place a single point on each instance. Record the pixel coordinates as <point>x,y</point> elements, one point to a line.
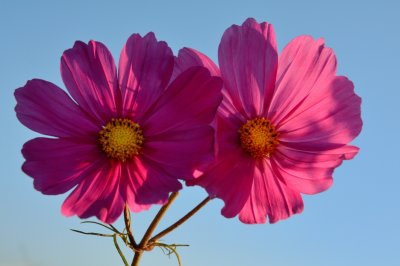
<point>356,222</point>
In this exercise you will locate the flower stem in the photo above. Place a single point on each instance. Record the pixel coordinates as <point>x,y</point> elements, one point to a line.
<point>180,221</point>
<point>127,218</point>
<point>157,220</point>
<point>143,243</point>
<point>136,258</point>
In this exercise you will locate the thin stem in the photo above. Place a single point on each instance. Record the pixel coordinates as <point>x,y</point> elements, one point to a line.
<point>136,258</point>
<point>180,221</point>
<point>92,234</point>
<point>157,220</point>
<point>119,251</point>
<point>127,218</point>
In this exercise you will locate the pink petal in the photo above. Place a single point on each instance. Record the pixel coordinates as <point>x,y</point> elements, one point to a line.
<point>57,165</point>
<point>305,66</point>
<point>97,195</point>
<point>230,179</point>
<point>89,73</point>
<point>227,136</point>
<point>188,57</point>
<point>307,171</point>
<point>269,197</point>
<point>324,159</point>
<point>145,68</point>
<point>47,109</point>
<point>309,180</point>
<point>248,61</point>
<point>145,183</point>
<point>327,118</point>
<point>189,102</point>
<point>179,153</point>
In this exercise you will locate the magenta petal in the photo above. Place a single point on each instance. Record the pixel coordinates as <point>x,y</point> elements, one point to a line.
<point>179,153</point>
<point>306,171</point>
<point>230,180</point>
<point>305,66</point>
<point>47,109</point>
<point>248,62</point>
<point>227,137</point>
<point>324,159</point>
<point>89,73</point>
<point>330,116</point>
<point>189,102</point>
<point>269,197</point>
<point>145,184</point>
<point>145,68</point>
<point>300,178</point>
<point>57,165</point>
<point>188,57</point>
<point>97,195</point>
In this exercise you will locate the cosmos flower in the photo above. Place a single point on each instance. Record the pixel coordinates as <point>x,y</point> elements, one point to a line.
<point>122,138</point>
<point>284,123</point>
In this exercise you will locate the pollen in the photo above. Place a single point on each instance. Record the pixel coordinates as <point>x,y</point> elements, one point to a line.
<point>258,137</point>
<point>121,139</point>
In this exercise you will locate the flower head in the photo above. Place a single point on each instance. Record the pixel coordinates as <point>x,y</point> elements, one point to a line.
<point>284,123</point>
<point>124,137</point>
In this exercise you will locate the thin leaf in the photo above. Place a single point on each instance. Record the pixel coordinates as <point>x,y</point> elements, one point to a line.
<point>171,249</point>
<point>114,229</point>
<point>111,228</point>
<point>91,233</point>
<point>119,250</point>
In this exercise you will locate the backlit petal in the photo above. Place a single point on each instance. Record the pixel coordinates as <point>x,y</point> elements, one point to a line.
<point>248,61</point>
<point>269,197</point>
<point>90,75</point>
<point>47,109</point>
<point>145,68</point>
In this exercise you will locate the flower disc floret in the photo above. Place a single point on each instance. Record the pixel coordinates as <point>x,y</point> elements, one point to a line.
<point>121,139</point>
<point>258,137</point>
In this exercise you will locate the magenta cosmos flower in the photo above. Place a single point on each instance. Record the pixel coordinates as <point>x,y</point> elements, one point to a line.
<point>122,138</point>
<point>283,126</point>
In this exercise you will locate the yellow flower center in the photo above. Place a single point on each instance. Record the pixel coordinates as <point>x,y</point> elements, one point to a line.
<point>258,137</point>
<point>121,139</point>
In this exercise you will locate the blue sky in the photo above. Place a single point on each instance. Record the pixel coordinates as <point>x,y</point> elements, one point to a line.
<point>356,222</point>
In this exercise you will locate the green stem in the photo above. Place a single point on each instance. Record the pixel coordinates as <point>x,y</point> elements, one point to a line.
<point>119,251</point>
<point>180,221</point>
<point>127,218</point>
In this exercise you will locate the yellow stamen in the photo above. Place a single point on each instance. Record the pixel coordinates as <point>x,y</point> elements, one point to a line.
<point>121,139</point>
<point>258,137</point>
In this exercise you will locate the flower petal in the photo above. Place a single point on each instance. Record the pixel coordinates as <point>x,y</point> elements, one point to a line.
<point>227,134</point>
<point>179,153</point>
<point>97,195</point>
<point>145,68</point>
<point>90,75</point>
<point>57,165</point>
<point>145,184</point>
<point>188,57</point>
<point>303,178</point>
<point>327,118</point>
<point>269,197</point>
<point>307,171</point>
<point>305,66</point>
<point>248,61</point>
<point>230,179</point>
<point>191,101</point>
<point>47,109</point>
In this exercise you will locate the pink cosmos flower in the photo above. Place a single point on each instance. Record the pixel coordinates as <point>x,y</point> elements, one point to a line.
<point>284,123</point>
<point>122,138</point>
